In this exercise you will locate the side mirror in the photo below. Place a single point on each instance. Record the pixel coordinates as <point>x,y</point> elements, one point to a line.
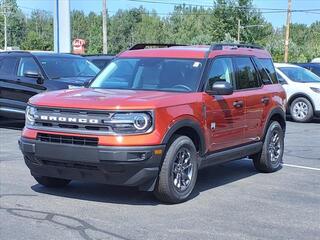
<point>221,88</point>
<point>34,74</point>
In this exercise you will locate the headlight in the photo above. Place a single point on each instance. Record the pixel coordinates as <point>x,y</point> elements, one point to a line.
<point>131,122</point>
<point>317,90</point>
<point>31,114</point>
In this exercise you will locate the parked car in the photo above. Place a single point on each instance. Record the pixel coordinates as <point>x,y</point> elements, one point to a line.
<point>303,91</point>
<point>313,67</point>
<point>24,74</point>
<point>153,117</point>
<point>101,60</point>
<point>316,60</point>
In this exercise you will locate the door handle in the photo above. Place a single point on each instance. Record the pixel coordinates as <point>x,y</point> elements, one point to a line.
<point>265,100</point>
<point>238,104</point>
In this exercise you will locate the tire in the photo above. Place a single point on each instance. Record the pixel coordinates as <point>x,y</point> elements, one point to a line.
<point>52,182</point>
<point>180,167</point>
<point>270,157</point>
<point>301,110</point>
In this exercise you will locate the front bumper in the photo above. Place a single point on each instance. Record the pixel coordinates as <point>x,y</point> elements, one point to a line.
<point>127,166</point>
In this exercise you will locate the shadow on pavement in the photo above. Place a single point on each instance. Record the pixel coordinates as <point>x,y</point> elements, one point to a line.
<point>208,178</point>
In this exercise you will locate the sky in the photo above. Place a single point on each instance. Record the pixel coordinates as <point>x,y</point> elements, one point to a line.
<point>277,19</point>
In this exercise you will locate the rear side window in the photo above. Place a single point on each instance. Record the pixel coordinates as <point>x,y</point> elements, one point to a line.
<point>246,76</point>
<point>8,65</point>
<point>269,68</point>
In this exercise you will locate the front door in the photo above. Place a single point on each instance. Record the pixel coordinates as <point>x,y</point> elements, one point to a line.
<point>224,114</point>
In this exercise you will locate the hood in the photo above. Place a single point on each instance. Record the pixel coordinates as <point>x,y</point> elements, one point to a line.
<point>107,99</point>
<point>78,81</point>
<point>308,84</point>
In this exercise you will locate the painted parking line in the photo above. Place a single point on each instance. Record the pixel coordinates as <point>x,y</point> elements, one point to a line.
<point>303,167</point>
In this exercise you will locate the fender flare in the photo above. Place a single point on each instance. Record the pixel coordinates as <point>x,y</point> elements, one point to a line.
<point>187,123</point>
<point>275,111</point>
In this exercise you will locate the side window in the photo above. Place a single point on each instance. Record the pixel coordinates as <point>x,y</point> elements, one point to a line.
<point>27,64</point>
<point>269,68</point>
<point>246,74</point>
<point>8,65</point>
<point>221,70</point>
<point>281,79</point>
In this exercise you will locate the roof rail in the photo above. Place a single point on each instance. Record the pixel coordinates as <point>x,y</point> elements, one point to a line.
<point>144,45</point>
<point>14,51</point>
<point>219,46</point>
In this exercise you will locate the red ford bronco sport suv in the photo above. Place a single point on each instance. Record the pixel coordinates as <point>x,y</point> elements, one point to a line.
<point>155,116</point>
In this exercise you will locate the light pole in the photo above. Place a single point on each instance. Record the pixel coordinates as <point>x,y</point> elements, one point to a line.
<point>104,26</point>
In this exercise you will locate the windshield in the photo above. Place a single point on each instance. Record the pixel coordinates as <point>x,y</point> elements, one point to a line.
<point>162,74</point>
<point>67,67</point>
<point>298,74</point>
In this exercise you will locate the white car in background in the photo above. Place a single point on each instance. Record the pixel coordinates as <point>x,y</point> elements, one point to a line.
<point>303,91</point>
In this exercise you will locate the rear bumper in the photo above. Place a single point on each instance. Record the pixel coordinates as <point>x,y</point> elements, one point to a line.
<point>127,166</point>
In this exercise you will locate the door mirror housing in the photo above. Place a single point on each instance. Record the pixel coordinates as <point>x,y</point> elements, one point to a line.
<point>221,88</point>
<point>35,75</point>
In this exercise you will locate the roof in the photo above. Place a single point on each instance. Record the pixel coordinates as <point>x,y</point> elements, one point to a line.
<point>279,65</point>
<point>40,53</point>
<point>194,52</point>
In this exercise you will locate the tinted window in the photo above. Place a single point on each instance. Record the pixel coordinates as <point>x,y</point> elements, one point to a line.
<point>67,67</point>
<point>27,64</point>
<point>8,65</point>
<point>281,79</point>
<point>269,68</point>
<point>151,74</point>
<point>299,74</point>
<point>221,70</point>
<point>101,64</point>
<point>246,74</point>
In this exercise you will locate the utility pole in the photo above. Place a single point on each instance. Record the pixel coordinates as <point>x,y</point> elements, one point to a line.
<point>104,26</point>
<point>239,29</point>
<point>286,43</point>
<point>4,12</point>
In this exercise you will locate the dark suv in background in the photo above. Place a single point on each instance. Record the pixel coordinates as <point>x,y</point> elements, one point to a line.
<point>24,74</point>
<point>100,60</point>
<point>313,67</point>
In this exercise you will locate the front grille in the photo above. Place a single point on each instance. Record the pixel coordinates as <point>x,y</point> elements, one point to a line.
<point>62,139</point>
<point>73,121</point>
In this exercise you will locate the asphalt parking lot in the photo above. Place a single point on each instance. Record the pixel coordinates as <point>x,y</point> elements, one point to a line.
<point>231,201</point>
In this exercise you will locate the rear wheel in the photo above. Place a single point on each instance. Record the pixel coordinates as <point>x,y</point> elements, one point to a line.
<point>270,157</point>
<point>179,171</point>
<point>301,110</point>
<point>51,182</point>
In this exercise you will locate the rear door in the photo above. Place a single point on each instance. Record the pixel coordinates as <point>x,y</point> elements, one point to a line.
<point>256,97</point>
<point>224,114</point>
<point>27,86</point>
<point>8,67</point>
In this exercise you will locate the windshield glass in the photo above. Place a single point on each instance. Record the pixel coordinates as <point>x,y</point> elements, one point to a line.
<point>67,67</point>
<point>163,74</point>
<point>302,75</point>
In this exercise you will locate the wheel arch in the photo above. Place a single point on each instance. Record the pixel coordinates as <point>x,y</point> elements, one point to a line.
<point>277,114</point>
<point>297,95</point>
<point>189,128</point>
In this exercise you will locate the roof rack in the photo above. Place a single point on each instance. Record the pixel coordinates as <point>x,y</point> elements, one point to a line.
<point>219,46</point>
<point>144,45</point>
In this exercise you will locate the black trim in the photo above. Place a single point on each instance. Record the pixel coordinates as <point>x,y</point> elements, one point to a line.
<point>128,166</point>
<point>231,154</point>
<point>186,123</point>
<point>140,46</point>
<point>275,111</point>
<point>317,113</point>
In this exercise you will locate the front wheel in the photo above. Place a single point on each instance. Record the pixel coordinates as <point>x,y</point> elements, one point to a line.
<point>301,110</point>
<point>179,171</point>
<point>270,157</point>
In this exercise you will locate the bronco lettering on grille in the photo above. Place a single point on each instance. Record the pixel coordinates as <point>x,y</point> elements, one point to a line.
<point>69,119</point>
